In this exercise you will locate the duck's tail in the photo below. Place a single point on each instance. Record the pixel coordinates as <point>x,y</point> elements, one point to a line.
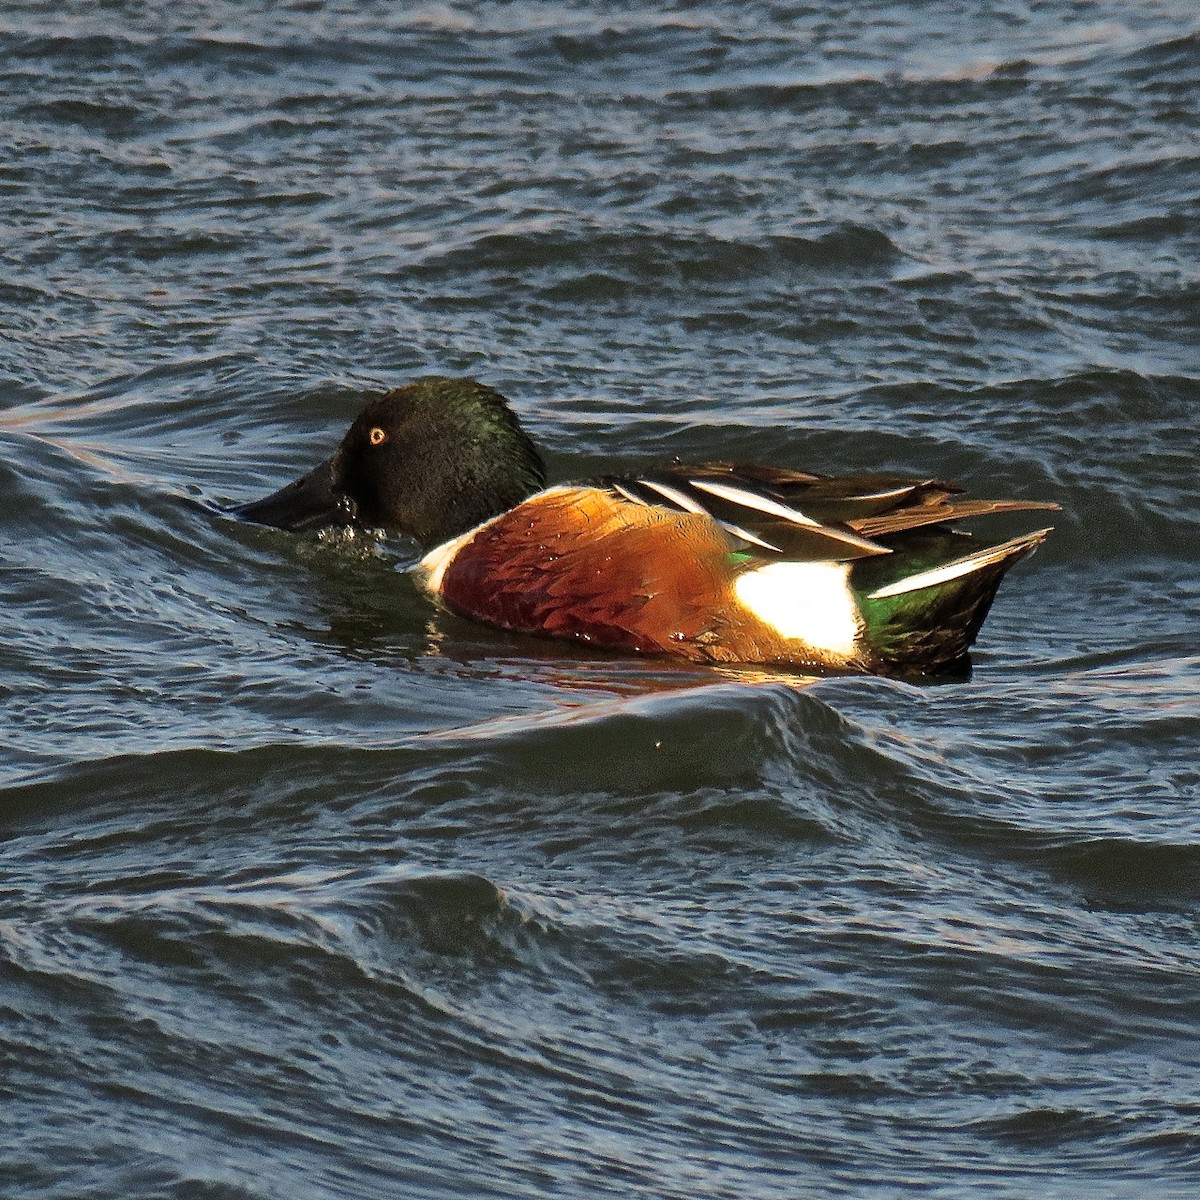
<point>923,606</point>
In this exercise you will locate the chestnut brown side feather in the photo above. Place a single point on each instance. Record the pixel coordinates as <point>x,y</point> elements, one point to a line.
<point>585,564</point>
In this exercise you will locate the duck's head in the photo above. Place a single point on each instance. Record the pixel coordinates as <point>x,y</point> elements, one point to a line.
<point>431,459</point>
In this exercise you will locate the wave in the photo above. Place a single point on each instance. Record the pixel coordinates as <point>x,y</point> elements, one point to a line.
<point>1106,444</point>
<point>662,260</point>
<point>1126,875</point>
<point>1162,64</point>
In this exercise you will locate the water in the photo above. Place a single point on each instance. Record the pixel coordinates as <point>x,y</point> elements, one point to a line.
<point>309,892</point>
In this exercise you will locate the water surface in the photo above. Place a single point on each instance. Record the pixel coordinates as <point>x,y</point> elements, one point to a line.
<point>308,892</point>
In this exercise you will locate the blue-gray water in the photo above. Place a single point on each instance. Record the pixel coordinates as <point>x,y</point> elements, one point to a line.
<point>309,893</point>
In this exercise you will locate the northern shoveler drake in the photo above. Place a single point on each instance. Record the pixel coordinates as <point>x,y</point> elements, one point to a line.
<point>715,563</point>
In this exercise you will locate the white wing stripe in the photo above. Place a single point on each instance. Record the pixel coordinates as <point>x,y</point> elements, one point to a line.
<point>774,508</point>
<point>957,568</point>
<point>675,496</point>
<point>747,536</point>
<point>629,495</point>
<point>752,500</point>
<point>890,494</point>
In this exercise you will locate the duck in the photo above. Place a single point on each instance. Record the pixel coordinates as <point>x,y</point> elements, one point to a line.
<point>713,562</point>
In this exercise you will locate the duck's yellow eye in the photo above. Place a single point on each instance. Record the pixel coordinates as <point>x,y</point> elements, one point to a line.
<point>378,436</point>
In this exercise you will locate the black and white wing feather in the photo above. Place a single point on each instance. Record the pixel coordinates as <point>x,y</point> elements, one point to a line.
<point>776,512</point>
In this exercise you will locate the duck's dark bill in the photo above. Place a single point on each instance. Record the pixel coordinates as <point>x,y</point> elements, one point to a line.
<point>309,503</point>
